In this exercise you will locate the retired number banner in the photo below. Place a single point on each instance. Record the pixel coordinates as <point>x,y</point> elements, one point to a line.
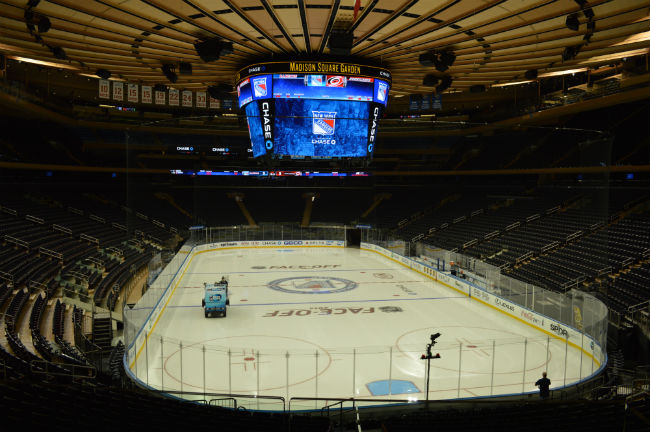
<point>146,94</point>
<point>187,98</point>
<point>133,93</point>
<point>160,98</point>
<point>104,87</point>
<point>200,99</point>
<point>173,97</point>
<point>118,90</point>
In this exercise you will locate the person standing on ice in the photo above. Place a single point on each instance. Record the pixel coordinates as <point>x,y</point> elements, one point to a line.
<point>543,383</point>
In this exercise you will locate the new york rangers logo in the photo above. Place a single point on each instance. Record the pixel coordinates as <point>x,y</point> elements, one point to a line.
<point>259,87</point>
<point>323,122</point>
<point>381,92</point>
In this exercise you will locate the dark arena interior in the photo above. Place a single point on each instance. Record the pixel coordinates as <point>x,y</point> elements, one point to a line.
<point>492,145</point>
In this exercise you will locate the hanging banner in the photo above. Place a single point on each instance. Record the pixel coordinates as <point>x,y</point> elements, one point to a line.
<point>118,90</point>
<point>200,99</point>
<point>187,98</point>
<point>227,104</point>
<point>104,87</point>
<point>215,103</point>
<point>133,93</point>
<point>160,98</point>
<point>146,94</point>
<point>173,97</point>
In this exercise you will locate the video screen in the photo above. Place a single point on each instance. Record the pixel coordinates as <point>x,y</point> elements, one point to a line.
<point>321,128</point>
<point>312,115</point>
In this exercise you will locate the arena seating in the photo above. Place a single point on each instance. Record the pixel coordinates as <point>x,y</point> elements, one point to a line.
<point>57,407</point>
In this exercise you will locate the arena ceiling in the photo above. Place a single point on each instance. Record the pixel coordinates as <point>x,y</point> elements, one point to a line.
<point>495,42</point>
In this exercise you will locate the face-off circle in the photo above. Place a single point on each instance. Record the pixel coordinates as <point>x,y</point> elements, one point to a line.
<point>312,285</point>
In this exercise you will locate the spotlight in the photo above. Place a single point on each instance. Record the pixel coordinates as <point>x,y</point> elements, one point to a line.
<point>434,337</point>
<point>589,13</point>
<point>168,70</point>
<point>103,73</point>
<point>572,22</point>
<point>44,24</point>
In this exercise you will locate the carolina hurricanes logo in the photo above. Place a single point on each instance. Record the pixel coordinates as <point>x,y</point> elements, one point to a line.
<point>335,81</point>
<point>324,122</point>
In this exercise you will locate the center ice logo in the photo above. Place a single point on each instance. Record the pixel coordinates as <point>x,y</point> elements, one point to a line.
<point>323,122</point>
<point>312,285</point>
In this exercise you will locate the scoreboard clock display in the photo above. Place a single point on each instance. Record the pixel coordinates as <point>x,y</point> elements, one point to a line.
<point>316,109</point>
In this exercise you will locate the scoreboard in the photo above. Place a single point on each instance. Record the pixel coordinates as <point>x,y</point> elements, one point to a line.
<point>315,109</point>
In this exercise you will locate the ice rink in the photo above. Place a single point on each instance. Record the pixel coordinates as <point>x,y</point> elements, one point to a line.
<point>335,322</point>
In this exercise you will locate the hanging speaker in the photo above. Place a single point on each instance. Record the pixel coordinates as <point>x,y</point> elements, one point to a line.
<point>219,91</point>
<point>531,74</point>
<point>572,22</point>
<point>168,71</point>
<point>430,80</point>
<point>445,83</point>
<point>426,59</point>
<point>211,49</point>
<point>185,68</point>
<point>103,73</point>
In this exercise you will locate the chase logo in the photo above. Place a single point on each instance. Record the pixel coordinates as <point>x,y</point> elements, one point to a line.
<point>312,285</point>
<point>259,87</point>
<point>324,122</point>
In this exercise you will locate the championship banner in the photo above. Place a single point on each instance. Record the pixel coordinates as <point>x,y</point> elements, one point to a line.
<point>215,103</point>
<point>200,99</point>
<point>118,90</point>
<point>160,97</point>
<point>187,98</point>
<point>104,87</point>
<point>173,97</point>
<point>133,93</point>
<point>146,94</point>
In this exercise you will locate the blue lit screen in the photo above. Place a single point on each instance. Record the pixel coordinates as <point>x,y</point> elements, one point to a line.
<point>322,128</point>
<point>312,115</point>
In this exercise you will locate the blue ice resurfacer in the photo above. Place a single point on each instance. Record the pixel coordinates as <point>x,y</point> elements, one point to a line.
<point>215,298</point>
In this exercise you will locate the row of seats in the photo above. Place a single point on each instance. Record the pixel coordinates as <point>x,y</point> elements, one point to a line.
<point>55,407</point>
